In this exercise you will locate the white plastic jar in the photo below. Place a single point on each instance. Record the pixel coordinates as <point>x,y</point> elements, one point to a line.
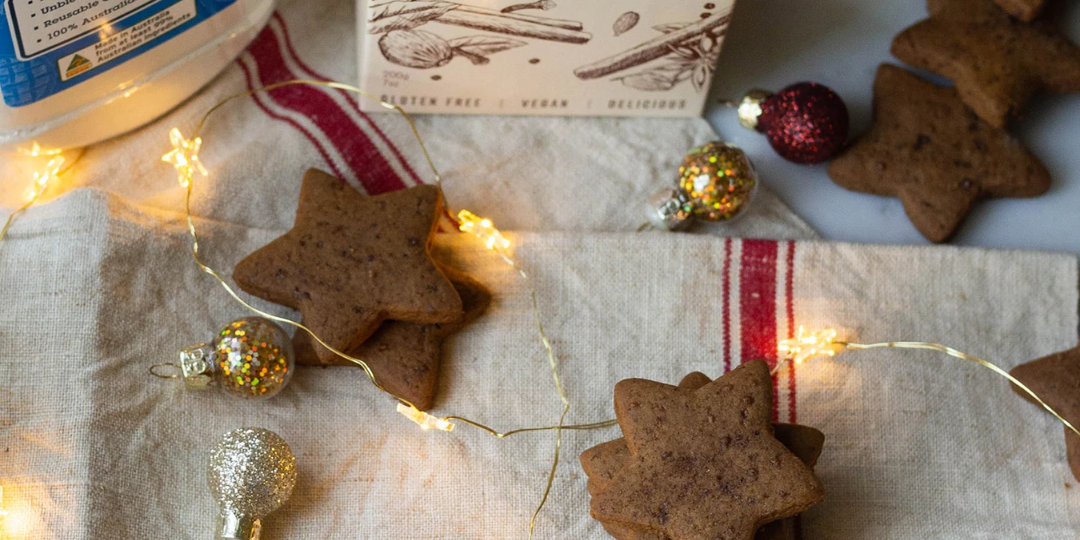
<point>75,72</point>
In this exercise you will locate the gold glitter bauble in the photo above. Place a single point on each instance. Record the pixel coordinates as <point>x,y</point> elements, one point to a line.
<point>251,472</point>
<point>253,358</point>
<point>718,180</point>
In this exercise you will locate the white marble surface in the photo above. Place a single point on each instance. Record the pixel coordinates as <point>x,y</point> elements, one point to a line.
<point>773,43</point>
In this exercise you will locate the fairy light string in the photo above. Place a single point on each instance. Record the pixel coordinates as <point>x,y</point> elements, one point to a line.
<point>184,157</point>
<point>806,345</point>
<point>41,180</point>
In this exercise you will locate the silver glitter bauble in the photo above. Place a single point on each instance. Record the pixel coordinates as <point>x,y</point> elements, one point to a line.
<point>251,473</point>
<point>670,210</point>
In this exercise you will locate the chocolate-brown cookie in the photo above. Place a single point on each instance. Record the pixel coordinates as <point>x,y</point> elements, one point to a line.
<point>1056,380</point>
<point>929,150</point>
<point>704,463</point>
<point>602,462</point>
<point>1025,10</point>
<point>351,261</point>
<point>406,357</point>
<point>996,62</point>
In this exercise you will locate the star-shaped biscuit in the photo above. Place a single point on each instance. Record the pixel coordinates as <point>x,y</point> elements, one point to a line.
<point>603,462</point>
<point>351,261</point>
<point>996,62</point>
<point>704,464</point>
<point>406,357</point>
<point>932,152</point>
<point>1056,380</point>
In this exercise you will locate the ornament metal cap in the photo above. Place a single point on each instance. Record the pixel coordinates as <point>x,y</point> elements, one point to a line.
<point>196,367</point>
<point>231,525</point>
<point>669,210</point>
<point>749,108</point>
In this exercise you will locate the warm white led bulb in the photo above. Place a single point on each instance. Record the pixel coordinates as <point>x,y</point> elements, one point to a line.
<point>808,344</point>
<point>423,419</point>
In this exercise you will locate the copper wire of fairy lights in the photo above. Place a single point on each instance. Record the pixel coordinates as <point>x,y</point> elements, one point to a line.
<point>806,345</point>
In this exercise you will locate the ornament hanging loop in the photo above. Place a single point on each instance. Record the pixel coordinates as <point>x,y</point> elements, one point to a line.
<point>155,370</point>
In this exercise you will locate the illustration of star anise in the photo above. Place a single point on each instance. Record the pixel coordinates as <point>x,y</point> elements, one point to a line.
<point>699,58</point>
<point>692,60</point>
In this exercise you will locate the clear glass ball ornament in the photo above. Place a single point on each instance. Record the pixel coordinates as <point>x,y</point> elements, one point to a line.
<point>250,358</point>
<point>716,182</point>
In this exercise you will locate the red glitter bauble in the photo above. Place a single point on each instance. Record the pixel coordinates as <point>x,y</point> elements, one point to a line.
<point>805,122</point>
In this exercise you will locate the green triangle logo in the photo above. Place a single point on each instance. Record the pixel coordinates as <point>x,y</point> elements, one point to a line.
<point>77,63</point>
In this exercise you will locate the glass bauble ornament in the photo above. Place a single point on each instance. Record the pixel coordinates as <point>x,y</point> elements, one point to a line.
<point>805,123</point>
<point>716,183</point>
<point>250,358</point>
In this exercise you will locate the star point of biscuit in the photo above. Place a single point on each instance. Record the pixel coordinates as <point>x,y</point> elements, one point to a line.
<point>351,261</point>
<point>704,464</point>
<point>996,62</point>
<point>1056,380</point>
<point>929,150</point>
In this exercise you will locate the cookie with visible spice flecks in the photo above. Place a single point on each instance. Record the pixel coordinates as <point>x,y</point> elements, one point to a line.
<point>704,463</point>
<point>406,357</point>
<point>603,462</point>
<point>934,154</point>
<point>352,261</point>
<point>996,62</point>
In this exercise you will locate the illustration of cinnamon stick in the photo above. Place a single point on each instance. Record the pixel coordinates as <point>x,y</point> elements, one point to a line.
<point>510,24</point>
<point>652,49</point>
<point>538,4</point>
<point>416,12</point>
<point>547,21</point>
